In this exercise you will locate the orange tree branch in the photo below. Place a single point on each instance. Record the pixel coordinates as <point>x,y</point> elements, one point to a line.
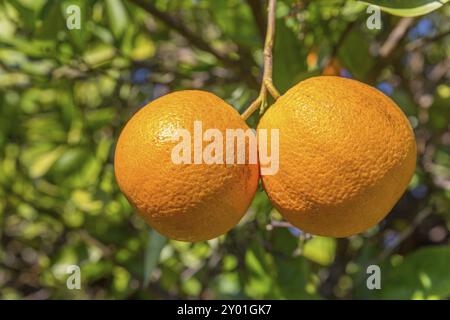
<point>267,84</point>
<point>391,49</point>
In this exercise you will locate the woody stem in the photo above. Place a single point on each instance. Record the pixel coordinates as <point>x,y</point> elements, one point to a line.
<point>267,83</point>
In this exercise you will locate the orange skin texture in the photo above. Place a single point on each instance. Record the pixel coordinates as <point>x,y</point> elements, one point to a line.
<point>347,154</point>
<point>187,202</point>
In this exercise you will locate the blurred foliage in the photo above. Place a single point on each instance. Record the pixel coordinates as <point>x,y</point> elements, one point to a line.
<point>65,95</point>
<point>408,8</point>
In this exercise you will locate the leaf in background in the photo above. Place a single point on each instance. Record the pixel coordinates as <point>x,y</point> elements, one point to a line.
<point>259,280</point>
<point>292,272</point>
<point>422,274</point>
<point>355,56</point>
<point>35,48</point>
<point>289,59</point>
<point>44,162</point>
<point>440,109</point>
<point>27,15</point>
<point>69,161</point>
<point>235,20</point>
<point>99,118</point>
<point>320,250</point>
<point>52,21</point>
<point>144,48</point>
<point>292,277</point>
<point>85,201</point>
<point>155,244</point>
<point>121,280</point>
<point>408,8</point>
<point>404,100</point>
<point>117,16</point>
<point>99,54</point>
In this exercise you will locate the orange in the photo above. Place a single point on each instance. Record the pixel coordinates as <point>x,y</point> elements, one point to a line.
<point>188,202</point>
<point>347,153</point>
<point>312,59</point>
<point>333,68</point>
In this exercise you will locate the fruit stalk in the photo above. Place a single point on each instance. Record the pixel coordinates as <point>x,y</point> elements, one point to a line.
<point>267,83</point>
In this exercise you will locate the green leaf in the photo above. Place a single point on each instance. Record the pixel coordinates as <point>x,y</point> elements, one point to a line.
<point>422,274</point>
<point>320,250</point>
<point>408,8</point>
<point>440,109</point>
<point>259,280</point>
<point>99,54</point>
<point>354,55</point>
<point>35,48</point>
<point>155,244</point>
<point>44,162</point>
<point>235,20</point>
<point>117,16</point>
<point>121,279</point>
<point>69,161</point>
<point>27,15</point>
<point>100,117</point>
<point>289,59</point>
<point>52,21</point>
<point>292,277</point>
<point>292,272</point>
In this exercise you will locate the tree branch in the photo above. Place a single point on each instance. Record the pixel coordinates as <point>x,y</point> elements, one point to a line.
<point>175,24</point>
<point>390,49</point>
<point>395,37</point>
<point>337,269</point>
<point>267,85</point>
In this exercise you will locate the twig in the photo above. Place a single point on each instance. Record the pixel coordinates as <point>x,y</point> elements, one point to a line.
<point>267,83</point>
<point>390,49</point>
<point>278,224</point>
<point>84,235</point>
<point>395,36</point>
<point>337,269</point>
<point>41,294</point>
<point>239,65</point>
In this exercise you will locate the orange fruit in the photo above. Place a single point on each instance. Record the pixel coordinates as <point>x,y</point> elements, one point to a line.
<point>347,153</point>
<point>186,201</point>
<point>312,59</point>
<point>333,68</point>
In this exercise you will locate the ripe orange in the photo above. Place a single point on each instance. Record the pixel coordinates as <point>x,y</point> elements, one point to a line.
<point>188,202</point>
<point>333,68</point>
<point>347,153</point>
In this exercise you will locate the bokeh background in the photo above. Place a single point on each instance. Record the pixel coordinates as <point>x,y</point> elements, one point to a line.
<point>66,94</point>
